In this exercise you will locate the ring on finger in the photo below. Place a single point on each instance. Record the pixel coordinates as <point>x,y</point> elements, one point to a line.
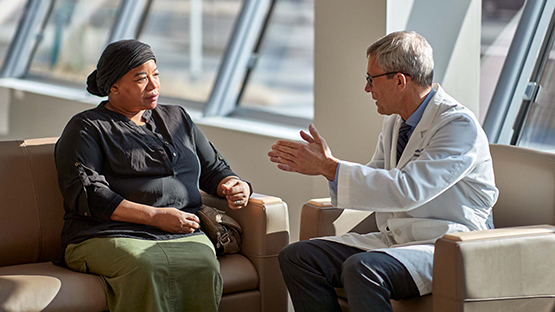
<point>237,202</point>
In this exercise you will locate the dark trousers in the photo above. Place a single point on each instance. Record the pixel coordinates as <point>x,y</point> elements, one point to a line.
<point>313,268</point>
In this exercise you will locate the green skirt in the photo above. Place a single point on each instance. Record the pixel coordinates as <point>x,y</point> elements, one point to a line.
<point>147,275</point>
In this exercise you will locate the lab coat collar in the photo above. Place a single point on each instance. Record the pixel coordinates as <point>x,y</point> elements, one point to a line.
<point>425,123</point>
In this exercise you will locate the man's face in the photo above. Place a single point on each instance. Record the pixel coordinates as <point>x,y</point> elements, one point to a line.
<point>383,89</point>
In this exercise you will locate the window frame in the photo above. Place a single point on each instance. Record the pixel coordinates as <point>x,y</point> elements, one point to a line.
<point>253,60</point>
<point>517,69</point>
<point>22,47</point>
<point>534,83</point>
<point>232,75</point>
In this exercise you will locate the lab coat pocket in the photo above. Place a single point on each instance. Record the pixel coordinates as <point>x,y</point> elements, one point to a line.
<point>400,229</point>
<point>405,230</point>
<point>434,229</point>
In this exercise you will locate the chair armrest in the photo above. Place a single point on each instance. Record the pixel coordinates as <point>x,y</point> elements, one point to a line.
<point>319,218</point>
<point>493,265</point>
<point>265,223</point>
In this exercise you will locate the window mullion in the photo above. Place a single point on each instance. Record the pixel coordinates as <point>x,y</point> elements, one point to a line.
<point>27,36</point>
<point>129,19</point>
<point>256,52</point>
<point>235,62</point>
<point>526,104</point>
<point>517,69</point>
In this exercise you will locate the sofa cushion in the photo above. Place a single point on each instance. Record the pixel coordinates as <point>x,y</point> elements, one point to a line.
<point>47,287</point>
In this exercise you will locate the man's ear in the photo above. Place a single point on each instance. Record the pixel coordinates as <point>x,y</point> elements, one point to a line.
<point>401,80</point>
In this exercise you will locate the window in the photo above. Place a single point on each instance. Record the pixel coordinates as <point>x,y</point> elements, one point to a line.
<point>537,112</point>
<point>11,13</point>
<point>204,50</point>
<point>73,39</point>
<point>282,79</point>
<point>499,21</point>
<point>513,93</point>
<point>539,129</point>
<point>189,38</point>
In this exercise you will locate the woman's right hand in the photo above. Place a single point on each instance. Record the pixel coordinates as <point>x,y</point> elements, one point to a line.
<point>173,220</point>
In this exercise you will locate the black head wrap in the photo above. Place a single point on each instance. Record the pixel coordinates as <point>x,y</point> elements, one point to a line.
<point>117,59</point>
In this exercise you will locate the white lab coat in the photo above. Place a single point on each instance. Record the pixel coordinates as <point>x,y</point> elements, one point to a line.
<point>443,183</point>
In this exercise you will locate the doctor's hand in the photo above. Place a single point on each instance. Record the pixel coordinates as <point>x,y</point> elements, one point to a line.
<point>311,158</point>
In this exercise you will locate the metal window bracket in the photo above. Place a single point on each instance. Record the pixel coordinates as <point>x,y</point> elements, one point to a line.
<point>531,92</point>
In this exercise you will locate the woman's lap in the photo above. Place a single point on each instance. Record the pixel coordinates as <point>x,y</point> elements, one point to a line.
<point>147,275</point>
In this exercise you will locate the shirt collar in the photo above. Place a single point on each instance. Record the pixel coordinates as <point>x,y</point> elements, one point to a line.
<point>414,119</point>
<point>147,114</point>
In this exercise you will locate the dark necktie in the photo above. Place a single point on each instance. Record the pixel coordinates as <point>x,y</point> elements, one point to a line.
<point>403,138</point>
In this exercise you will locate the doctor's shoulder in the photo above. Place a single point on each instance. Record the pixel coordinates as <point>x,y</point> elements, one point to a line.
<point>457,122</point>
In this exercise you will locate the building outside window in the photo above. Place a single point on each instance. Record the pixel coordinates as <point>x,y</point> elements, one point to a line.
<point>63,39</point>
<point>539,129</point>
<point>499,22</point>
<point>282,81</point>
<point>189,38</point>
<point>73,39</point>
<point>10,15</point>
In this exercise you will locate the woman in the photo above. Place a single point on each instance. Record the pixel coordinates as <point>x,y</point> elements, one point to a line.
<point>130,172</point>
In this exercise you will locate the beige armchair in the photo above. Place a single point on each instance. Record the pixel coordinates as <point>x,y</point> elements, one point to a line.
<point>31,219</point>
<point>509,269</point>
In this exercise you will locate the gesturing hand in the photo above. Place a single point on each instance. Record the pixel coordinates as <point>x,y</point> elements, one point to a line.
<point>311,158</point>
<point>173,220</point>
<point>236,192</point>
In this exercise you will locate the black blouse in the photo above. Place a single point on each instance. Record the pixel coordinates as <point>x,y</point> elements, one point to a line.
<point>102,157</point>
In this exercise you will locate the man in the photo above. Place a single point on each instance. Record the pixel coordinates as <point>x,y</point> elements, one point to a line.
<point>431,174</point>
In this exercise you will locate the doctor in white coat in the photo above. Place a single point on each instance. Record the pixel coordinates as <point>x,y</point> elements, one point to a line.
<point>431,174</point>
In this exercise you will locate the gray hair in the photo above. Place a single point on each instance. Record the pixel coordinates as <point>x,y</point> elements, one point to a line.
<point>406,52</point>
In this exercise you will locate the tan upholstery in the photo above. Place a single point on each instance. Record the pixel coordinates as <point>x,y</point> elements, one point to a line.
<point>509,269</point>
<point>32,218</point>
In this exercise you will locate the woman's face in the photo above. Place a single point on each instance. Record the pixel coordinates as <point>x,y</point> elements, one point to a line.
<point>137,90</point>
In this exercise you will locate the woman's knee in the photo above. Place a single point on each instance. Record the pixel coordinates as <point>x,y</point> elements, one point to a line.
<point>208,263</point>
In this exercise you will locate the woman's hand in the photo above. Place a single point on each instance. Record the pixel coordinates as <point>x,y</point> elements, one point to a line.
<point>236,192</point>
<point>173,220</point>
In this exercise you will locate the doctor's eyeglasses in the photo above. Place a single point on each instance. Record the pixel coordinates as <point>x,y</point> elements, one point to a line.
<point>369,78</point>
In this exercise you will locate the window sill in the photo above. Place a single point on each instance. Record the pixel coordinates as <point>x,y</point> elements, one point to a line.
<point>252,126</point>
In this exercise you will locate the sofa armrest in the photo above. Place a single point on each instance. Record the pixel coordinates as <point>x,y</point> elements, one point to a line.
<point>319,218</point>
<point>265,223</point>
<point>493,265</point>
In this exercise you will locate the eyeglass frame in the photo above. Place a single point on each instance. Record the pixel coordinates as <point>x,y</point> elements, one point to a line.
<point>370,78</point>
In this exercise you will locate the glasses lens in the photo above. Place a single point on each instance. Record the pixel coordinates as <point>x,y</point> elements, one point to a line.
<point>369,80</point>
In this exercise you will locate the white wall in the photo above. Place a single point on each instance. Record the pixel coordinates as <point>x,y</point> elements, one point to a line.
<point>344,113</point>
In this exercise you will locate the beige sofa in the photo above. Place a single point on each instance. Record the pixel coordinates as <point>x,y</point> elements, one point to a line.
<point>31,219</point>
<point>509,269</point>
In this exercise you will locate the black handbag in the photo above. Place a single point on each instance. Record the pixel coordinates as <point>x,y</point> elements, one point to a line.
<point>223,230</point>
